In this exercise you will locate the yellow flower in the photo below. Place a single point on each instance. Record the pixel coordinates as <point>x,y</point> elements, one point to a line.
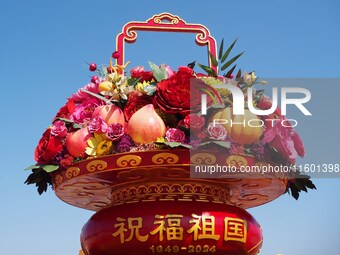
<point>115,78</point>
<point>106,87</point>
<point>249,79</point>
<point>99,145</point>
<point>161,140</point>
<point>141,85</point>
<point>104,148</point>
<point>211,81</point>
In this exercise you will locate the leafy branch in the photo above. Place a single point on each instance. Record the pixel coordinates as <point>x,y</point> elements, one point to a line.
<point>222,61</point>
<point>40,176</point>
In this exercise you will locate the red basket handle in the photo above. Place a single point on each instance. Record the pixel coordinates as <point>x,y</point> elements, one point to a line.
<point>172,24</point>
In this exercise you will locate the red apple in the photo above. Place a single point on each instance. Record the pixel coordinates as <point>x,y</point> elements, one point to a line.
<point>110,114</point>
<point>76,142</point>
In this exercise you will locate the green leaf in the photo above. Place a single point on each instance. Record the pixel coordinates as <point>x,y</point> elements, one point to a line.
<point>213,59</point>
<point>223,144</point>
<point>150,90</point>
<point>158,72</point>
<point>226,54</point>
<point>32,167</point>
<point>177,144</point>
<point>309,184</point>
<point>210,94</point>
<point>77,126</point>
<point>220,53</point>
<point>230,72</point>
<point>65,120</point>
<point>239,73</point>
<point>226,65</point>
<point>50,168</point>
<point>208,69</point>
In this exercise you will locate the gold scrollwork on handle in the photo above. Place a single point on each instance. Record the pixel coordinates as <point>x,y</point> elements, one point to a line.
<point>237,161</point>
<point>72,172</point>
<point>96,165</point>
<point>165,158</point>
<point>203,158</point>
<point>58,179</point>
<point>129,161</point>
<point>158,19</point>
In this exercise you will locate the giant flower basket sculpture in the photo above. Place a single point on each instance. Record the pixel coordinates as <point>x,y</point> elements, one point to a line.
<point>138,151</point>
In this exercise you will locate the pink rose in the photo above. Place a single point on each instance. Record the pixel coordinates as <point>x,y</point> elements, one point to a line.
<point>97,125</point>
<point>194,122</point>
<point>59,129</point>
<point>115,132</point>
<point>83,111</point>
<point>175,135</point>
<point>216,132</point>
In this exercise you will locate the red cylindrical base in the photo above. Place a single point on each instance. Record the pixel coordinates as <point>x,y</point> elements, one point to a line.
<point>171,227</point>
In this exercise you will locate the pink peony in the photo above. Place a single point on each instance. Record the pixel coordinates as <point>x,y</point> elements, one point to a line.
<point>298,144</point>
<point>285,140</point>
<point>169,71</point>
<point>175,135</point>
<point>217,132</point>
<point>115,132</point>
<point>81,95</point>
<point>59,129</point>
<point>97,125</point>
<point>83,111</point>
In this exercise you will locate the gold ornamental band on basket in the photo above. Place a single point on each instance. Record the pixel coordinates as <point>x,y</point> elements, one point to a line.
<point>135,148</point>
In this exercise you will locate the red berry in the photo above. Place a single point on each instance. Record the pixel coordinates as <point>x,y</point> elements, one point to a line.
<point>94,79</point>
<point>116,54</point>
<point>231,76</point>
<point>93,67</point>
<point>110,69</point>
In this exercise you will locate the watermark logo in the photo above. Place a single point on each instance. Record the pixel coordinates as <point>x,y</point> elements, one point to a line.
<point>238,100</point>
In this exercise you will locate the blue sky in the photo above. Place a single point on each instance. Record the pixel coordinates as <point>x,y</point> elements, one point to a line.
<point>45,44</point>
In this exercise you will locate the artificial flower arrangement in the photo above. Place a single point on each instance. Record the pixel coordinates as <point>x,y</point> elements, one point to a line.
<point>153,109</point>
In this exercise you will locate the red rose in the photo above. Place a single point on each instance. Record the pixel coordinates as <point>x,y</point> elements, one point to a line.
<point>265,103</point>
<point>135,102</point>
<point>194,122</point>
<point>47,148</point>
<point>66,110</point>
<point>175,95</point>
<point>139,73</point>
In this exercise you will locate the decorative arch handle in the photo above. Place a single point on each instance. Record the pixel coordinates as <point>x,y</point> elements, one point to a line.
<point>165,22</point>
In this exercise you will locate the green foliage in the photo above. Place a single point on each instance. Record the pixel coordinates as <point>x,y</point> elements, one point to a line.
<point>158,72</point>
<point>222,60</point>
<point>208,70</point>
<point>40,178</point>
<point>50,168</point>
<point>298,184</point>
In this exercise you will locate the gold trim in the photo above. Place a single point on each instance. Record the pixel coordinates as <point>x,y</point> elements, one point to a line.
<point>129,161</point>
<point>72,172</point>
<point>237,161</point>
<point>58,179</point>
<point>257,245</point>
<point>96,165</point>
<point>203,158</point>
<point>165,158</point>
<point>171,192</point>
